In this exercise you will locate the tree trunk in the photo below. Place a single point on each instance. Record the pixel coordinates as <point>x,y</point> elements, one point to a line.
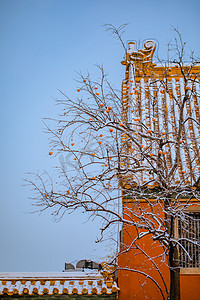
<point>174,273</point>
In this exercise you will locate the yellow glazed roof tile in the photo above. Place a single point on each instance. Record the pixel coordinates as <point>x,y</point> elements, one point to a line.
<point>151,109</point>
<point>80,283</point>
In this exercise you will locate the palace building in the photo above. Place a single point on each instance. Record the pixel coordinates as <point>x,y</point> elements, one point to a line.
<point>161,104</point>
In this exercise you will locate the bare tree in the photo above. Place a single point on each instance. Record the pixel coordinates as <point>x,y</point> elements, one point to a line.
<point>141,143</point>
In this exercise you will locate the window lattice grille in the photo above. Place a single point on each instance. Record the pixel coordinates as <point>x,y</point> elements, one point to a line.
<point>189,233</point>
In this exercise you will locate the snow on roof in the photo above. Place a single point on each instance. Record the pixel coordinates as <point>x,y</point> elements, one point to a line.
<point>151,95</point>
<point>42,275</point>
<point>78,282</point>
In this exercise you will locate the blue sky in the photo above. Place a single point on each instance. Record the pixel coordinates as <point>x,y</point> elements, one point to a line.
<point>43,44</point>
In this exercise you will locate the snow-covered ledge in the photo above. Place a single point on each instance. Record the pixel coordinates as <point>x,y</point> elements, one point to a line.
<point>190,271</point>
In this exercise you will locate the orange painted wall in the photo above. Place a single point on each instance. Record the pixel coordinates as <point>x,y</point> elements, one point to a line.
<point>190,287</point>
<point>132,284</point>
<point>137,286</point>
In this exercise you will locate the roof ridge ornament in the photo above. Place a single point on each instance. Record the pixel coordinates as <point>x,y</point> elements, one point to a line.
<point>142,56</point>
<point>108,271</point>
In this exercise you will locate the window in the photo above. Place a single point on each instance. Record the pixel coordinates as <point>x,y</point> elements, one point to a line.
<point>189,238</point>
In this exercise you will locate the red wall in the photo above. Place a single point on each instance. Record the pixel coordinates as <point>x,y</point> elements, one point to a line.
<point>138,286</point>
<point>190,287</point>
<point>134,285</point>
